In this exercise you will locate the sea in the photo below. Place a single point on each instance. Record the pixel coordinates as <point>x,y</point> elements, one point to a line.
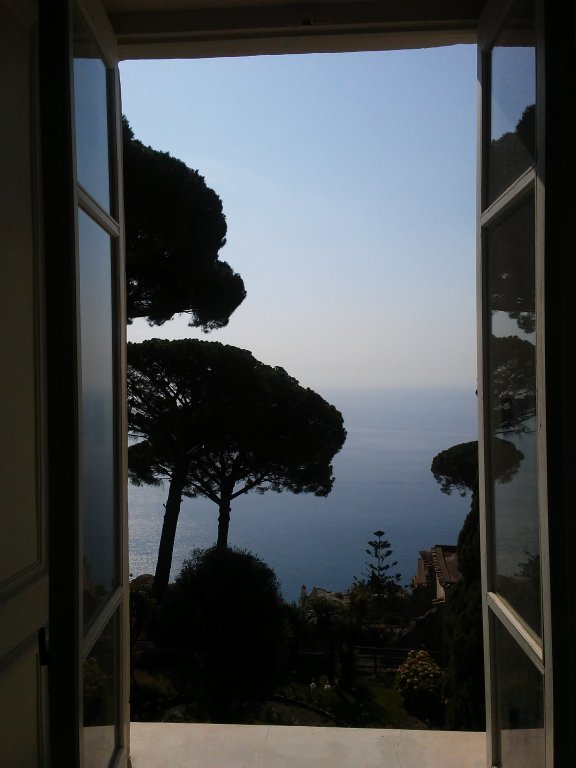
<point>382,482</point>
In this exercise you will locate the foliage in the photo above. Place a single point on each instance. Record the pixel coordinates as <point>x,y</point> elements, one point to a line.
<point>369,703</point>
<point>323,614</point>
<point>378,599</point>
<point>328,618</point>
<point>142,606</point>
<point>218,423</point>
<point>379,580</point>
<point>360,597</point>
<point>322,694</point>
<point>150,695</point>
<point>456,468</point>
<point>465,704</point>
<point>174,230</point>
<point>419,683</point>
<point>226,614</point>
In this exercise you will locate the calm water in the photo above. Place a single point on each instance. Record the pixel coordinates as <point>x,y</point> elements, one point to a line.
<point>383,480</point>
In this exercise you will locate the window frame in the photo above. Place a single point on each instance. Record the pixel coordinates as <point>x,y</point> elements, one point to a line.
<point>495,607</point>
<point>112,223</point>
<point>558,455</point>
<point>63,198</point>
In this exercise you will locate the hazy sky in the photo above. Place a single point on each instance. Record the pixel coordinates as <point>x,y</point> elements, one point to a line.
<point>348,184</point>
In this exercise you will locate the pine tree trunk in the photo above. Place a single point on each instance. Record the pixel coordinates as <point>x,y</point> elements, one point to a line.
<point>166,549</point>
<point>223,522</point>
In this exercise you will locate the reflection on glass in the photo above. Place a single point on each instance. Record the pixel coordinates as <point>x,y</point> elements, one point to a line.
<point>520,707</point>
<point>512,403</point>
<point>97,415</point>
<point>91,115</point>
<point>513,99</point>
<point>100,698</point>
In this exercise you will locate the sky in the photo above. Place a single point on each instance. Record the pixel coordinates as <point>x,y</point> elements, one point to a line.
<point>348,185</point>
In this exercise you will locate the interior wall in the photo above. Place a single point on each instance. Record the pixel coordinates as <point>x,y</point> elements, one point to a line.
<point>23,581</point>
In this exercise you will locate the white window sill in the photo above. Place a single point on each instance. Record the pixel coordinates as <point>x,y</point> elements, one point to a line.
<point>181,745</point>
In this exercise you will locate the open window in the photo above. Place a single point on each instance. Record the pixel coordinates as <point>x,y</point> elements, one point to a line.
<point>65,392</point>
<point>514,519</point>
<point>85,332</point>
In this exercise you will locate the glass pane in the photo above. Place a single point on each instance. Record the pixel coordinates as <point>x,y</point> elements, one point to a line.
<point>98,473</point>
<point>520,704</point>
<point>513,99</point>
<point>512,404</point>
<point>91,115</point>
<point>101,684</point>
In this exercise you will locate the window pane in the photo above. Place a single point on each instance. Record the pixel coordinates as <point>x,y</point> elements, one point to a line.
<point>98,471</point>
<point>520,707</point>
<point>513,98</point>
<point>512,404</point>
<point>101,683</point>
<point>91,115</point>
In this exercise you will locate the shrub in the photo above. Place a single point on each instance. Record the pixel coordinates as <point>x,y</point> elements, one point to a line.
<point>226,615</point>
<point>150,694</point>
<point>419,683</point>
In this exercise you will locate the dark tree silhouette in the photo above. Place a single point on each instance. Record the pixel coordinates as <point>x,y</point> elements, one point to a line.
<point>226,615</point>
<point>175,228</point>
<point>218,423</point>
<point>380,550</point>
<point>381,583</point>
<point>327,618</point>
<point>456,468</point>
<point>379,596</point>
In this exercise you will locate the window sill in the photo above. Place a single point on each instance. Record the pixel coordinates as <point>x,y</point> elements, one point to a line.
<point>181,745</point>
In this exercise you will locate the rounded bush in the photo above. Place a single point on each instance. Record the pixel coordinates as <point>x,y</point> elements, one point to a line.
<point>226,614</point>
<point>419,682</point>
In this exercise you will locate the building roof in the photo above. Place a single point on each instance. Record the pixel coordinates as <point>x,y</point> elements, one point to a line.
<point>445,562</point>
<point>442,560</point>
